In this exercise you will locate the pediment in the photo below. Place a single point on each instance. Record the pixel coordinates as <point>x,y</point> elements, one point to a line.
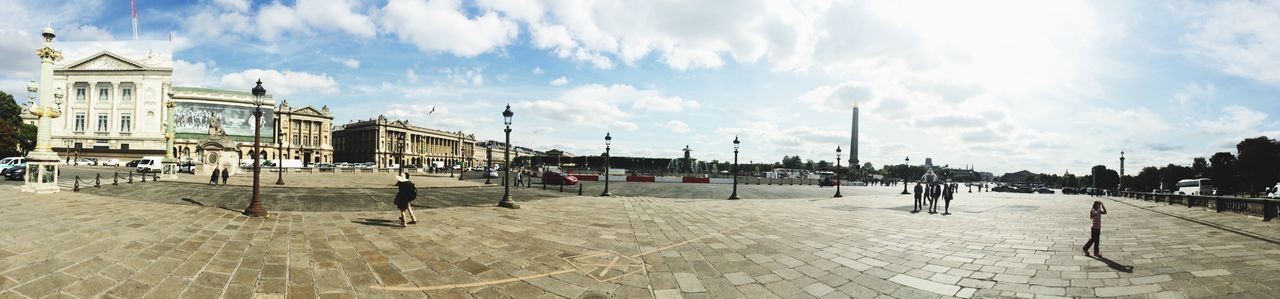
<point>105,61</point>
<point>308,111</point>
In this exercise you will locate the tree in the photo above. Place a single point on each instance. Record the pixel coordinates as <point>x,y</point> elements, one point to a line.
<point>1171,174</point>
<point>1199,167</point>
<point>1148,179</point>
<point>1222,171</point>
<point>1258,162</point>
<point>16,138</point>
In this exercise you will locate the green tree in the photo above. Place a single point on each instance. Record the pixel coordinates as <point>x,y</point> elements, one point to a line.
<point>1171,174</point>
<point>1222,170</point>
<point>1258,163</point>
<point>1148,179</point>
<point>16,138</point>
<point>1199,167</point>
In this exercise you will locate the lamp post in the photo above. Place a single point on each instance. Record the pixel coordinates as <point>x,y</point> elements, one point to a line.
<point>488,161</point>
<point>255,208</point>
<point>462,150</point>
<point>837,173</point>
<point>906,170</point>
<point>506,157</point>
<point>279,153</point>
<point>608,141</point>
<point>401,164</point>
<point>735,169</point>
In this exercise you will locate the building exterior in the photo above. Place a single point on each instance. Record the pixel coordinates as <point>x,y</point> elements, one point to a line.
<point>307,133</point>
<point>378,141</point>
<point>195,108</point>
<point>113,101</point>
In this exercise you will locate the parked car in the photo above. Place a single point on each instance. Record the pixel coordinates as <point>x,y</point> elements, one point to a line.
<point>1044,190</point>
<point>86,162</point>
<point>15,173</point>
<point>111,162</point>
<point>12,162</point>
<point>491,174</point>
<point>5,171</point>
<point>827,181</point>
<point>132,164</point>
<point>1068,190</point>
<point>558,178</point>
<point>187,167</point>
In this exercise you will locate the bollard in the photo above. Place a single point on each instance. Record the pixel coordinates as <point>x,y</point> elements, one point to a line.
<point>77,185</point>
<point>155,176</point>
<point>131,177</point>
<point>97,180</point>
<point>1268,210</point>
<point>1218,204</point>
<point>115,179</point>
<point>579,188</point>
<point>144,177</point>
<point>544,184</point>
<point>561,187</point>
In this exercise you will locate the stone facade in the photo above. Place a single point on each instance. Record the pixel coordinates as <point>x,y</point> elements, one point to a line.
<point>113,105</point>
<point>307,133</point>
<point>187,143</point>
<point>377,141</point>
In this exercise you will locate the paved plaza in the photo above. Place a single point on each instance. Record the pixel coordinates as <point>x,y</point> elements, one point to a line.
<point>866,245</point>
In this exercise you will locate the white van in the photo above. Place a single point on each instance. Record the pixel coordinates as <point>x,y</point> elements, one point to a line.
<point>12,162</point>
<point>150,164</point>
<point>1275,191</point>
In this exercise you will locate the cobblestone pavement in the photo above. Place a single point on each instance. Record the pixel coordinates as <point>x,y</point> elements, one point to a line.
<point>862,246</point>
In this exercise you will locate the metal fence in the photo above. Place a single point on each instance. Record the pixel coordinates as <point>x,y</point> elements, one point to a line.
<point>1266,208</point>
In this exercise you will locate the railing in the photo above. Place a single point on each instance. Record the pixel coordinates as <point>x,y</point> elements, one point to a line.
<point>1266,208</point>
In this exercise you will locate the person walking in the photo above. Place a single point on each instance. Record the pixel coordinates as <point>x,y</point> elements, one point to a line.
<point>1096,215</point>
<point>226,173</point>
<point>405,194</point>
<point>213,179</point>
<point>919,204</point>
<point>933,198</point>
<point>519,178</point>
<point>947,194</point>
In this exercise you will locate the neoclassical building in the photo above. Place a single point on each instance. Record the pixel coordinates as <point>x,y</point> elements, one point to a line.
<point>303,132</point>
<point>378,141</point>
<point>307,133</point>
<point>112,102</point>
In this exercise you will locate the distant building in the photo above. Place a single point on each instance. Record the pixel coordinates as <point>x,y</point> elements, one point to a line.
<point>1016,177</point>
<point>378,140</point>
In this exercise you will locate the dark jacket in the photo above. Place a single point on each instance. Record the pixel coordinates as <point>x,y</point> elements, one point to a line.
<point>407,191</point>
<point>919,191</point>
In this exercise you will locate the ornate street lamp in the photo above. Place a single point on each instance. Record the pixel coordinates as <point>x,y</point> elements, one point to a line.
<point>506,156</point>
<point>280,154</point>
<point>461,152</point>
<point>255,208</point>
<point>401,164</point>
<point>608,141</point>
<point>488,160</point>
<point>837,173</point>
<point>905,171</point>
<point>735,169</point>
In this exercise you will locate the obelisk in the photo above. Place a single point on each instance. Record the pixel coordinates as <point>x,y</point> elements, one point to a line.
<point>853,142</point>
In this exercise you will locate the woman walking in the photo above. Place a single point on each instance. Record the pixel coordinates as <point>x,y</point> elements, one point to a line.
<point>407,193</point>
<point>1096,215</point>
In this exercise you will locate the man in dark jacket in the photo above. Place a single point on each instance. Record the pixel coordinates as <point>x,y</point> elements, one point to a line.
<point>226,173</point>
<point>933,198</point>
<point>213,179</point>
<point>946,197</point>
<point>405,194</point>
<point>919,192</point>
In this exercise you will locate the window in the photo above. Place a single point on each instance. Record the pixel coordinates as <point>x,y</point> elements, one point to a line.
<point>80,92</point>
<point>80,121</point>
<point>102,122</point>
<point>103,95</point>
<point>126,122</point>
<point>124,146</point>
<point>295,139</point>
<point>306,141</point>
<point>315,140</point>
<point>126,95</point>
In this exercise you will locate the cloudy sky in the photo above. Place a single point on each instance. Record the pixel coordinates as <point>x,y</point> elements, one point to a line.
<point>1003,85</point>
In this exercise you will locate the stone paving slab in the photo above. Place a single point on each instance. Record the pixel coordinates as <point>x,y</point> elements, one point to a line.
<point>79,245</point>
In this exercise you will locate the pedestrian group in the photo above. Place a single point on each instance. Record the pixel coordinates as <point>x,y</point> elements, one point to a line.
<point>926,197</point>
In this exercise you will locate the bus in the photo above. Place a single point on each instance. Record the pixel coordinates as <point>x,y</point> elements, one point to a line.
<point>1195,187</point>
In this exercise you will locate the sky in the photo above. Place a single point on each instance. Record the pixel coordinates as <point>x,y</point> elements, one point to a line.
<point>1046,86</point>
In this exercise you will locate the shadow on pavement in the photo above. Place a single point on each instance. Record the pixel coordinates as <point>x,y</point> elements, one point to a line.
<point>1114,265</point>
<point>376,222</point>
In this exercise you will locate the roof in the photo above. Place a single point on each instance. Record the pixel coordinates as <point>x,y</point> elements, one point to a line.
<point>213,91</point>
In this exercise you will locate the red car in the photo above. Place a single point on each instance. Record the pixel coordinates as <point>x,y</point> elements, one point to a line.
<point>557,178</point>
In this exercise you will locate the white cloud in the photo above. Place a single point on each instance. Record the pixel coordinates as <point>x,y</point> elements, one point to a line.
<point>1234,121</point>
<point>411,76</point>
<point>464,76</point>
<point>596,106</point>
<point>216,24</point>
<point>560,81</point>
<point>538,71</point>
<point>351,63</point>
<point>84,33</point>
<point>678,126</point>
<point>441,25</point>
<point>1237,38</point>
<point>328,15</point>
<point>237,5</point>
<point>656,102</point>
<point>191,74</point>
<point>282,83</point>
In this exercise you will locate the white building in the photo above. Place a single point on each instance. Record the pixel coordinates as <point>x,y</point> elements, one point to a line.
<point>114,103</point>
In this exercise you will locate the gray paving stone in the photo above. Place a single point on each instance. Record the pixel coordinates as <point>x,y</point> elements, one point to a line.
<point>1127,290</point>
